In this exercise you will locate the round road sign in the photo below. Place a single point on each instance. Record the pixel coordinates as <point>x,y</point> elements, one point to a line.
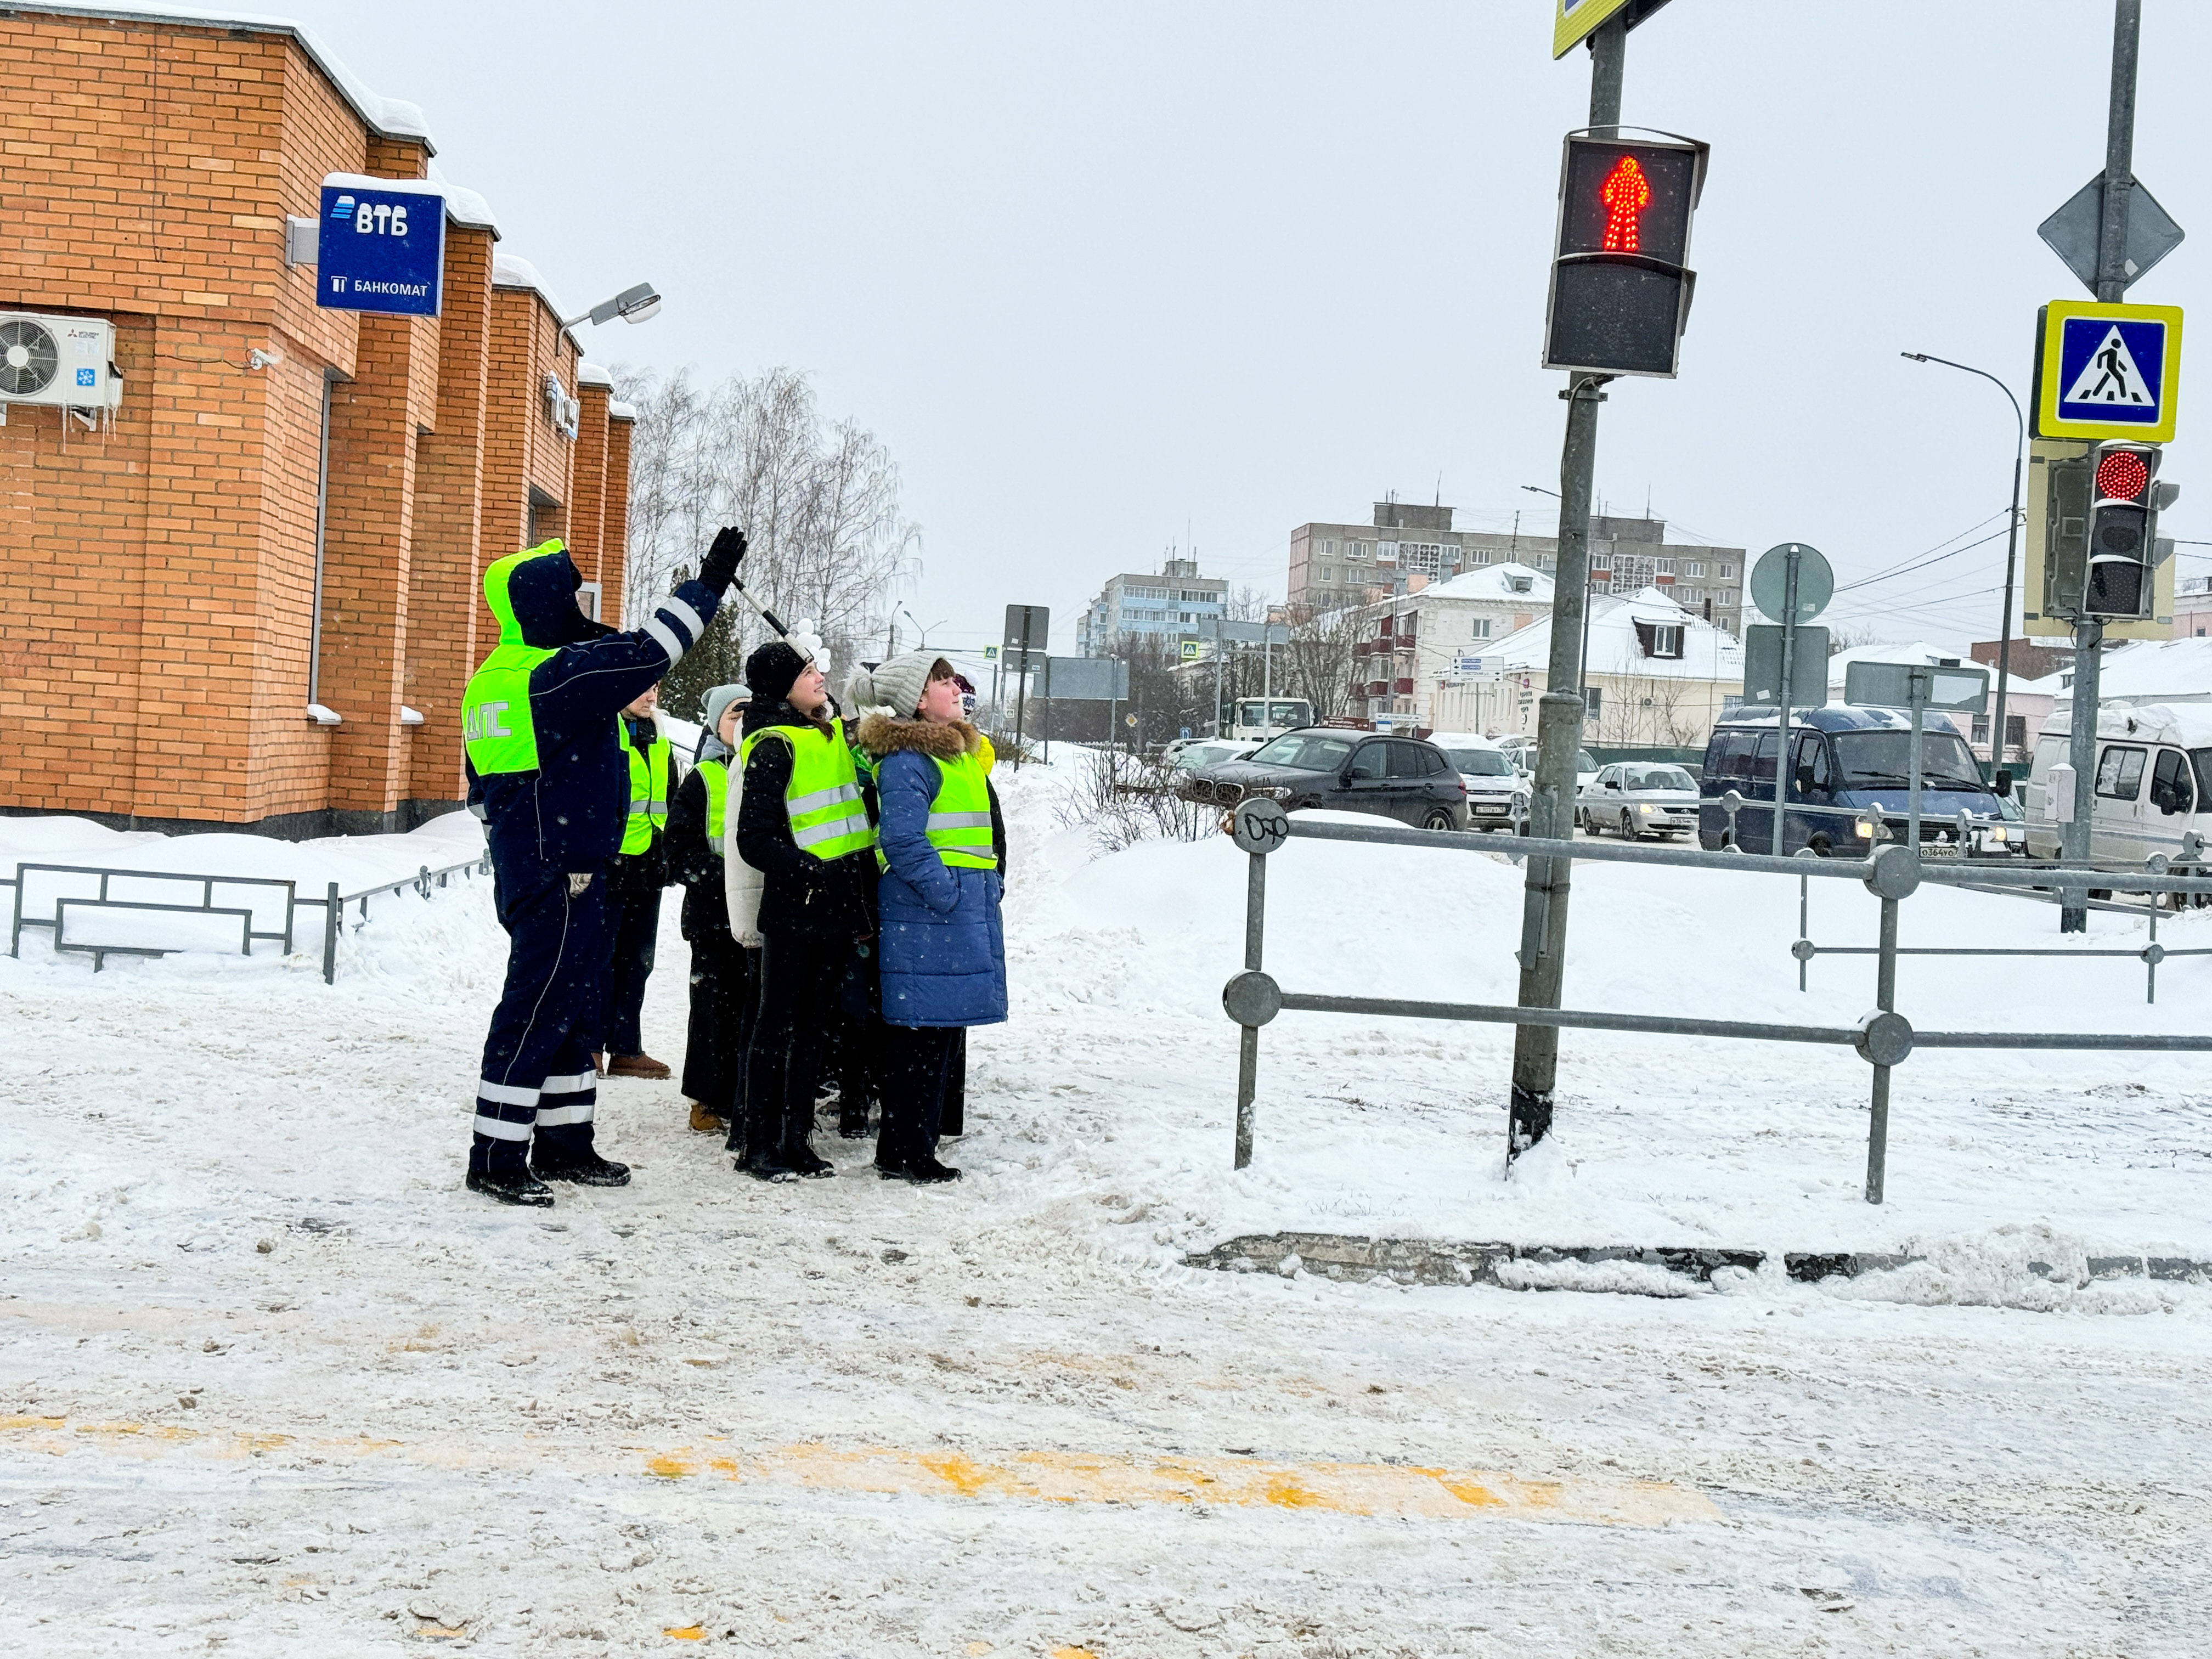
<point>1770,582</point>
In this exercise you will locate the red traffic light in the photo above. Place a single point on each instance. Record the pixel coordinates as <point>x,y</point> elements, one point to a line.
<point>2122,476</point>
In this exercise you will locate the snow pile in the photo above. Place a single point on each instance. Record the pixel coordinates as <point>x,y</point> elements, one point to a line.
<point>1623,1277</point>
<point>2035,1267</point>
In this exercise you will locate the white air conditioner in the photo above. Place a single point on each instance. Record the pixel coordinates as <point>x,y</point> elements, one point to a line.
<point>64,360</point>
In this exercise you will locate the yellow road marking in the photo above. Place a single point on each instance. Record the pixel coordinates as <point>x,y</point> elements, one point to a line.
<point>1053,1476</point>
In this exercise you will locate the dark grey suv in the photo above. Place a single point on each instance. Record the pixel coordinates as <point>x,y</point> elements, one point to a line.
<point>1400,778</point>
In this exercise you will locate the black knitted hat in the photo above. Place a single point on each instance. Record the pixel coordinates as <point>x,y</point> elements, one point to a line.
<point>772,670</point>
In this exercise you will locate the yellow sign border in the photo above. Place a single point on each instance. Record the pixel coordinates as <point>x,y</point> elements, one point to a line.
<point>1575,21</point>
<point>2055,316</point>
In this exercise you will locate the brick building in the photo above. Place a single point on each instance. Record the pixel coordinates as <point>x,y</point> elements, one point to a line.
<point>287,513</point>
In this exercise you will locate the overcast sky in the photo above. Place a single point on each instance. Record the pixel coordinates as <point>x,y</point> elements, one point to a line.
<point>1109,278</point>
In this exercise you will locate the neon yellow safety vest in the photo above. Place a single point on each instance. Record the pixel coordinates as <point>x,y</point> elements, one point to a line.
<point>960,815</point>
<point>827,816</point>
<point>495,717</point>
<point>715,775</point>
<point>649,787</point>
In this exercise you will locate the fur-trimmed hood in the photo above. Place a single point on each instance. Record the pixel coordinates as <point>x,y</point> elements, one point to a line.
<point>883,734</point>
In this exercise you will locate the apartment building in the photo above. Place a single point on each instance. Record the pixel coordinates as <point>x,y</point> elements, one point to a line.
<point>1406,647</point>
<point>1167,604</point>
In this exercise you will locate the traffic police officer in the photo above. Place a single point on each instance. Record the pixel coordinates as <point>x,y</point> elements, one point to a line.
<point>548,774</point>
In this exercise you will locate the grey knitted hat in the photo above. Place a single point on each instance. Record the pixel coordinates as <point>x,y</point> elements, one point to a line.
<point>896,685</point>
<point>719,698</point>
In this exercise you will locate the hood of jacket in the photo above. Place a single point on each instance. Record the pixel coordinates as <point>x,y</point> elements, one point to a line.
<point>885,734</point>
<point>533,595</point>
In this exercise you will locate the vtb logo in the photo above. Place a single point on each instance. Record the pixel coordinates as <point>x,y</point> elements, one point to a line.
<point>372,219</point>
<point>484,721</point>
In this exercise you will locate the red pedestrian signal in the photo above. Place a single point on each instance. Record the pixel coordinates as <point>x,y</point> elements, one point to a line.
<point>1625,195</point>
<point>2122,476</point>
<point>1620,293</point>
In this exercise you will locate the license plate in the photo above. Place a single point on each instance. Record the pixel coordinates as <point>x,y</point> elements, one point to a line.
<point>1490,809</point>
<point>1933,849</point>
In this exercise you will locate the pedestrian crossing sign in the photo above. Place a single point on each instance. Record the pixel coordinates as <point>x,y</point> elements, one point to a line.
<point>2107,371</point>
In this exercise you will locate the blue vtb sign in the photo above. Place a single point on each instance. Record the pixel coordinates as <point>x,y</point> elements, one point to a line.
<point>380,250</point>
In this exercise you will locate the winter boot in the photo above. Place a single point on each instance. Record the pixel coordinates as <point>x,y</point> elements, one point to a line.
<point>512,1186</point>
<point>588,1170</point>
<point>924,1171</point>
<point>705,1122</point>
<point>797,1154</point>
<point>852,1124</point>
<point>640,1066</point>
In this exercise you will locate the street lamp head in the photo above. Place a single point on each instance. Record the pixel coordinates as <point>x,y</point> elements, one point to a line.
<point>632,304</point>
<point>1916,356</point>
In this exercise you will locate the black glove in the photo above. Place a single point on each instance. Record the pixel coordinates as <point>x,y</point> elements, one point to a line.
<point>720,567</point>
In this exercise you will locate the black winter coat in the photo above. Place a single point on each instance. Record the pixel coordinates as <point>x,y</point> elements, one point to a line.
<point>692,861</point>
<point>801,897</point>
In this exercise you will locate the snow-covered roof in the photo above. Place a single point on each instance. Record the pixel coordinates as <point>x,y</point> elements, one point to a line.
<point>2141,671</point>
<point>593,375</point>
<point>1921,651</point>
<point>512,270</point>
<point>463,205</point>
<point>393,117</point>
<point>1490,581</point>
<point>1616,647</point>
<point>619,410</point>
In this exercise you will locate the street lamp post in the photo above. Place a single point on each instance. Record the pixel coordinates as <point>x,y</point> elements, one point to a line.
<point>633,305</point>
<point>2012,548</point>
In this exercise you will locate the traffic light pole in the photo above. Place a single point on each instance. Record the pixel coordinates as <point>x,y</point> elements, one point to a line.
<point>1559,711</point>
<point>2111,286</point>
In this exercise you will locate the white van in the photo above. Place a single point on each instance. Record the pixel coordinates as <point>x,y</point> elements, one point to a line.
<point>2153,784</point>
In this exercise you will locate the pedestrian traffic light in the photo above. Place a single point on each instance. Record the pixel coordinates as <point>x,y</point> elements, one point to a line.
<point>1621,292</point>
<point>2123,545</point>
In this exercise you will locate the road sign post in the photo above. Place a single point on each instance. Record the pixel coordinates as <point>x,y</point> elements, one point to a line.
<point>1919,688</point>
<point>1028,627</point>
<point>1791,583</point>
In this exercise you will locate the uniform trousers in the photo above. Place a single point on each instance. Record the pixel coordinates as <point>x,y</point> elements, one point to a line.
<point>801,978</point>
<point>724,995</point>
<point>537,1077</point>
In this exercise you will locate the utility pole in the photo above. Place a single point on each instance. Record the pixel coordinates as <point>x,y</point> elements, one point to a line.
<point>2111,286</point>
<point>1559,712</point>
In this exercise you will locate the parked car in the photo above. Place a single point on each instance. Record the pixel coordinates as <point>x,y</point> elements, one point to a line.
<point>2152,785</point>
<point>1523,752</point>
<point>1497,789</point>
<point>1204,751</point>
<point>1401,778</point>
<point>1636,799</point>
<point>1850,769</point>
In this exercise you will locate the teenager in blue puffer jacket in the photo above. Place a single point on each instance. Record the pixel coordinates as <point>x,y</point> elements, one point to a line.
<point>942,952</point>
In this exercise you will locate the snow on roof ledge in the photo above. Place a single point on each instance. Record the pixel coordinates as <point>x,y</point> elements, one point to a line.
<point>392,117</point>
<point>618,411</point>
<point>512,270</point>
<point>593,375</point>
<point>463,206</point>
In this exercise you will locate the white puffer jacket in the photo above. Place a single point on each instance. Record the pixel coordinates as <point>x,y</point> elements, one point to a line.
<point>741,883</point>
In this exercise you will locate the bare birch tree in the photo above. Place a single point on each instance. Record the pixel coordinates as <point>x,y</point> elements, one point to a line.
<point>829,545</point>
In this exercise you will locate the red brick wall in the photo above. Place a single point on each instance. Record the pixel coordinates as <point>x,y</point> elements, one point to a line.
<point>157,661</point>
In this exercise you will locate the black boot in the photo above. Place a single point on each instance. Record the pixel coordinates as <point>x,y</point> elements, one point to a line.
<point>512,1186</point>
<point>799,1155</point>
<point>925,1171</point>
<point>588,1170</point>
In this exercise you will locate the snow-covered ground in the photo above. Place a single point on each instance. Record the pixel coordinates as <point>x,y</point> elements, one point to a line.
<point>850,1417</point>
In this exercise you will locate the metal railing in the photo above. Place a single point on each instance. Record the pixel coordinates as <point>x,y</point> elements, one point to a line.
<point>1882,1037</point>
<point>332,904</point>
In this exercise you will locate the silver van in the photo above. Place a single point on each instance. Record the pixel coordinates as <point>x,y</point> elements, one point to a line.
<point>2152,786</point>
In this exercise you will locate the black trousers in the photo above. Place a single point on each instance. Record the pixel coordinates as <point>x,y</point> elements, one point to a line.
<point>955,1120</point>
<point>800,979</point>
<point>917,1063</point>
<point>724,995</point>
<point>633,928</point>
<point>537,1079</point>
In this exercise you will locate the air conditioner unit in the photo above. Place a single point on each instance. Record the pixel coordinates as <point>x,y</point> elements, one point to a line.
<point>64,360</point>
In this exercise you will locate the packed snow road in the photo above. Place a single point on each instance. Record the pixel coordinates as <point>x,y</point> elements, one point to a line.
<point>274,1383</point>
